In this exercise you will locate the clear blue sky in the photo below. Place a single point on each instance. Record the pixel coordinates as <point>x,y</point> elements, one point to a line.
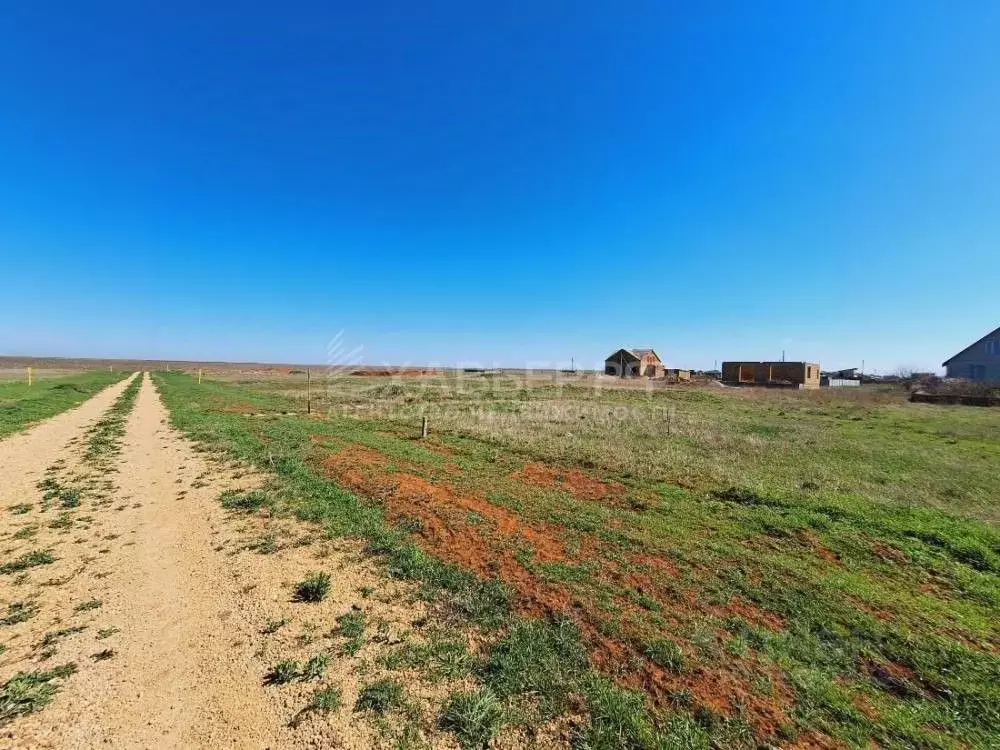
<point>512,182</point>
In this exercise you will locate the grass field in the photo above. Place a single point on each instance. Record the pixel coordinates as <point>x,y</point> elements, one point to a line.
<point>22,405</point>
<point>679,566</point>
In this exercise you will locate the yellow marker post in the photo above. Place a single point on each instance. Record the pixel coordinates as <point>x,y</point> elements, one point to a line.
<point>29,375</point>
<point>199,376</point>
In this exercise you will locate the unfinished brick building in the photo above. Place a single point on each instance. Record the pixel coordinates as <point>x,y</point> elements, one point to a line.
<point>771,374</point>
<point>634,363</point>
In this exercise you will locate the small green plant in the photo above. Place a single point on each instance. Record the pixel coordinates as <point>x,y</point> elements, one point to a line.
<point>351,626</point>
<point>247,501</point>
<point>19,612</point>
<point>474,717</point>
<point>366,591</point>
<point>104,655</point>
<point>63,521</point>
<point>314,588</point>
<point>20,509</point>
<point>282,672</point>
<point>52,638</point>
<point>381,697</point>
<point>665,653</point>
<point>26,532</point>
<point>28,692</point>
<point>106,633</point>
<point>28,560</point>
<point>315,668</point>
<point>326,700</point>
<point>88,605</point>
<point>273,626</point>
<point>69,498</point>
<point>266,545</point>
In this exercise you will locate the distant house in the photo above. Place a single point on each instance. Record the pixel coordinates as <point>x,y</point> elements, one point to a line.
<point>850,373</point>
<point>978,361</point>
<point>634,363</point>
<point>773,374</point>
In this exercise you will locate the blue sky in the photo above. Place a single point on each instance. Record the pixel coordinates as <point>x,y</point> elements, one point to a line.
<point>510,183</point>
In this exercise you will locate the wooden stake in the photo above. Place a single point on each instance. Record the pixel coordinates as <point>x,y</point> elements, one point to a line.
<point>199,376</point>
<point>308,392</point>
<point>423,428</point>
<point>29,375</point>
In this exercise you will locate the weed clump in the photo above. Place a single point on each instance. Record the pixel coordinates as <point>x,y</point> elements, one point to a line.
<point>315,668</point>
<point>28,560</point>
<point>740,496</point>
<point>69,498</point>
<point>380,697</point>
<point>273,626</point>
<point>326,699</point>
<point>27,692</point>
<point>474,717</point>
<point>314,588</point>
<point>247,501</point>
<point>665,653</point>
<point>282,672</point>
<point>19,612</point>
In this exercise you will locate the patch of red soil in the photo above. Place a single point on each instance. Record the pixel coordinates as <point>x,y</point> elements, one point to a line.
<point>441,450</point>
<point>810,539</point>
<point>890,554</point>
<point>739,607</point>
<point>574,481</point>
<point>882,614</point>
<point>891,677</point>
<point>464,528</point>
<point>449,527</point>
<point>864,706</point>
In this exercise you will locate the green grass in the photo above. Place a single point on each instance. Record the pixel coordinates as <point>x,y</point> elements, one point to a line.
<point>283,672</point>
<point>474,717</point>
<point>808,563</point>
<point>351,627</point>
<point>381,697</point>
<point>18,612</point>
<point>313,588</point>
<point>315,668</point>
<point>21,405</point>
<point>244,500</point>
<point>28,692</point>
<point>27,560</point>
<point>103,440</point>
<point>326,700</point>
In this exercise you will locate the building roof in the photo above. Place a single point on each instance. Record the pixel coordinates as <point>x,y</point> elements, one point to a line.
<point>640,353</point>
<point>974,343</point>
<point>636,353</point>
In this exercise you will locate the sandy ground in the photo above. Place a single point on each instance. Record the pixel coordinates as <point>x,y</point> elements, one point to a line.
<point>170,610</point>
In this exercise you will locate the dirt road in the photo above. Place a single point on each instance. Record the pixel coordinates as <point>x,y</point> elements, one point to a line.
<point>156,595</point>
